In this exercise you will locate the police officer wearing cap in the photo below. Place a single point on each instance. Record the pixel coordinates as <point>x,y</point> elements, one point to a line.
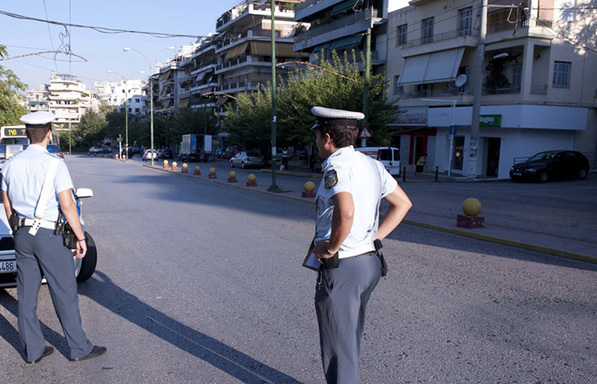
<point>37,248</point>
<point>347,225</point>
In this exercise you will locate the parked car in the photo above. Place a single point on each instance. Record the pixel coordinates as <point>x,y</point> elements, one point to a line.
<point>84,267</point>
<point>148,154</point>
<point>247,159</point>
<point>166,154</point>
<point>551,165</point>
<point>230,152</point>
<point>95,150</point>
<point>220,152</point>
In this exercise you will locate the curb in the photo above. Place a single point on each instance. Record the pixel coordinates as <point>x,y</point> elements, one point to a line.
<point>454,231</point>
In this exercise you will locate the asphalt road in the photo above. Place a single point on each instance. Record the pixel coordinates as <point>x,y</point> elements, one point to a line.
<point>198,282</point>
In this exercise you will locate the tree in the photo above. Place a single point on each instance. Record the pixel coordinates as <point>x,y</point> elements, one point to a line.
<point>249,124</point>
<point>91,128</point>
<point>10,85</point>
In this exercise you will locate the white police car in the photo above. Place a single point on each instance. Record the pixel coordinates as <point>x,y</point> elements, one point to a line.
<point>84,267</point>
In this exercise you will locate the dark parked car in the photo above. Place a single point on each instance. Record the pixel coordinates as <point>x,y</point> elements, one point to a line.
<point>551,165</point>
<point>166,154</point>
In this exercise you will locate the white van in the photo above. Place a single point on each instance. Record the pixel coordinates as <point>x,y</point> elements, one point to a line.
<point>388,156</point>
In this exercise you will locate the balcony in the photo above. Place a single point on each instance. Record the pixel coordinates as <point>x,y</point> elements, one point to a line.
<point>438,42</point>
<point>349,25</point>
<point>311,7</point>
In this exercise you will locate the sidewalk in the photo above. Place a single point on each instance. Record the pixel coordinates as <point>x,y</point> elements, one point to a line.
<point>547,244</point>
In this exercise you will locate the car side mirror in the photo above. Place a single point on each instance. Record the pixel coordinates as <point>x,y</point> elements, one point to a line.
<point>84,192</point>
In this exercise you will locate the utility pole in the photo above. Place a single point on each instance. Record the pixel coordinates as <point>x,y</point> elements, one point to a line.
<point>274,187</point>
<point>367,71</point>
<point>474,139</point>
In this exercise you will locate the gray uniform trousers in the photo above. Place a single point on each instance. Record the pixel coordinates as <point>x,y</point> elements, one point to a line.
<point>46,252</point>
<point>341,300</point>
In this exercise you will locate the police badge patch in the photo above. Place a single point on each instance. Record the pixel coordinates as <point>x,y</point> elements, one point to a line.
<point>331,179</point>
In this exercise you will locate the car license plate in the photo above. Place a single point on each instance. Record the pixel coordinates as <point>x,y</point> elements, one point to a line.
<point>8,266</point>
<point>517,173</point>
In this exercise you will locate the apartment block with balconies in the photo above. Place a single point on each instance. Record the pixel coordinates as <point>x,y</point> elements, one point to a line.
<point>243,50</point>
<point>341,25</point>
<point>68,99</point>
<point>538,91</point>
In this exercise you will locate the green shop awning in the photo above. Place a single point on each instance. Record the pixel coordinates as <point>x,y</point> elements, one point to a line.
<point>346,42</point>
<point>345,5</point>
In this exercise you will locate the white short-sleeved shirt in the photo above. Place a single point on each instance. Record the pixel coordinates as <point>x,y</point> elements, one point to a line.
<point>23,176</point>
<point>366,179</point>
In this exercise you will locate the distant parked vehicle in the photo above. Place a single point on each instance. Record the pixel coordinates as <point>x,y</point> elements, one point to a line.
<point>95,150</point>
<point>551,165</point>
<point>166,154</point>
<point>149,154</point>
<point>247,159</point>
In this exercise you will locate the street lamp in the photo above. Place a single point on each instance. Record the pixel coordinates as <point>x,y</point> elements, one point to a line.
<point>150,93</point>
<point>126,106</point>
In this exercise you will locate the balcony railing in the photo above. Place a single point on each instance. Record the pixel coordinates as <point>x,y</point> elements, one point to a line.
<point>498,22</point>
<point>439,37</point>
<point>350,19</point>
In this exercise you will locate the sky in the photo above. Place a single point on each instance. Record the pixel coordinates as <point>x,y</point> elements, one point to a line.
<point>101,51</point>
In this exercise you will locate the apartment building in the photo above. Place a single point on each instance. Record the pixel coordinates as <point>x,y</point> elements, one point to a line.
<point>68,99</point>
<point>538,84</point>
<point>200,80</point>
<point>123,93</point>
<point>341,26</point>
<point>243,50</point>
<point>38,100</point>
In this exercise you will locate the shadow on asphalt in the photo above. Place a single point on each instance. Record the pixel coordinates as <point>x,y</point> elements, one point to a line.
<point>11,335</point>
<point>227,359</point>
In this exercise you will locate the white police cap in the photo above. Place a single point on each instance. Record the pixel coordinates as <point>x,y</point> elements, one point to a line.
<point>335,117</point>
<point>38,118</point>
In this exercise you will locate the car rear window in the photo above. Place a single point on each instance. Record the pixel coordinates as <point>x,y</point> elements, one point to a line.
<point>384,154</point>
<point>53,148</point>
<point>253,154</point>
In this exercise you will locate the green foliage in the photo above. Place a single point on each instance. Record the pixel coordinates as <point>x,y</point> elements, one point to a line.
<point>10,85</point>
<point>250,126</point>
<point>337,84</point>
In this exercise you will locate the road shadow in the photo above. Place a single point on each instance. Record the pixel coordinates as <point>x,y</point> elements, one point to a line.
<point>104,291</point>
<point>11,335</point>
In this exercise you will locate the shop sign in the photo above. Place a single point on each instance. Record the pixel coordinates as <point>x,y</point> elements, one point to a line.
<point>490,121</point>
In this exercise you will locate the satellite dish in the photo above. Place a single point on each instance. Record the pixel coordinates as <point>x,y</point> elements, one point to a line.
<point>460,80</point>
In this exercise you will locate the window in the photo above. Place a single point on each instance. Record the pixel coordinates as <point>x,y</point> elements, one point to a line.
<point>465,21</point>
<point>516,76</point>
<point>123,91</point>
<point>561,74</point>
<point>136,100</point>
<point>427,26</point>
<point>398,89</point>
<point>402,34</point>
<point>136,110</point>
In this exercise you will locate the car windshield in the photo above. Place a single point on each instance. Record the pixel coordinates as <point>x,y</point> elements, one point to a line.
<point>253,154</point>
<point>541,156</point>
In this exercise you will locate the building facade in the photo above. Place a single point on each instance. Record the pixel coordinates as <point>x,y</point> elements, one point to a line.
<point>122,93</point>
<point>69,99</point>
<point>538,88</point>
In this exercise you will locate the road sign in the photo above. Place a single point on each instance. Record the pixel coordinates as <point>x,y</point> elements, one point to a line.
<point>365,134</point>
<point>452,129</point>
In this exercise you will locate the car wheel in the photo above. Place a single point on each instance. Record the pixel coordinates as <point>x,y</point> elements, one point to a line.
<point>231,164</point>
<point>88,263</point>
<point>582,174</point>
<point>242,165</point>
<point>543,177</point>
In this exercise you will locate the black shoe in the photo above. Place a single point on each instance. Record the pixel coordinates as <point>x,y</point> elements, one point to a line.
<point>95,352</point>
<point>47,352</point>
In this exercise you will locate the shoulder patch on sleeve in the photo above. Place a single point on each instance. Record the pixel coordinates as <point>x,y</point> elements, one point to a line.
<point>331,179</point>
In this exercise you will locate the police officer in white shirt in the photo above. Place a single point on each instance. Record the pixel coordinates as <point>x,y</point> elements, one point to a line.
<point>37,248</point>
<point>347,224</point>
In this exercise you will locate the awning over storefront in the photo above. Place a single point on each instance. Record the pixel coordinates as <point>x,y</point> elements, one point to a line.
<point>432,68</point>
<point>346,42</point>
<point>183,103</point>
<point>235,52</point>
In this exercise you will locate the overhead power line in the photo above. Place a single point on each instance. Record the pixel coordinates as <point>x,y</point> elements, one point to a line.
<point>106,30</point>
